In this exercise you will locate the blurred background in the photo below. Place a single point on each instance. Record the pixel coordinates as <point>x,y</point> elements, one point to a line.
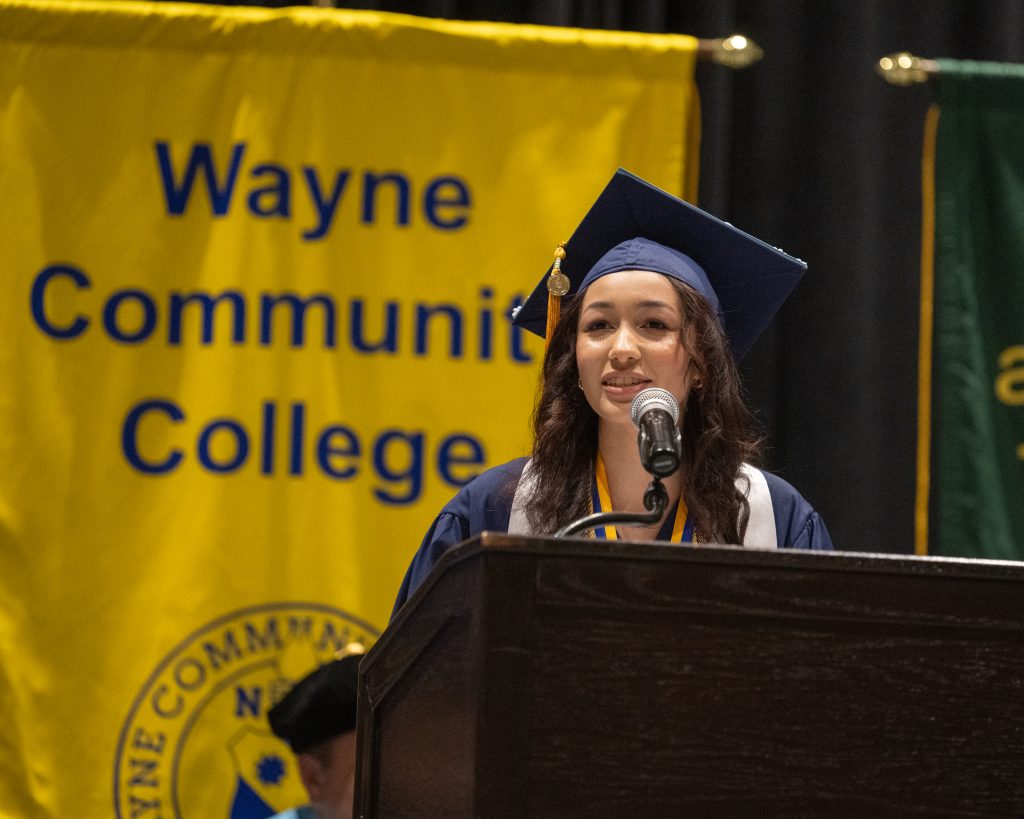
<point>127,587</point>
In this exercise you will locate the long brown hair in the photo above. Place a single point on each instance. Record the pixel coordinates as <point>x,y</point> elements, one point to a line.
<point>716,429</point>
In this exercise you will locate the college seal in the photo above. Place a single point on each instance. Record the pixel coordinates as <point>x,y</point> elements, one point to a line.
<point>196,741</point>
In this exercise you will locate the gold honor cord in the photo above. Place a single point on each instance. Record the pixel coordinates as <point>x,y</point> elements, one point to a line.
<point>605,498</point>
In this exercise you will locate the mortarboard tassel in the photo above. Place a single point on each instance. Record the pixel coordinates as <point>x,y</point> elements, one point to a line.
<point>558,286</point>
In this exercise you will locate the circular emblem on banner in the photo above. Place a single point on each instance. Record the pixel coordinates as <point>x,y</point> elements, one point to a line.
<point>196,741</point>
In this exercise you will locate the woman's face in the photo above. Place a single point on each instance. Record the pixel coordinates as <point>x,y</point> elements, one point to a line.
<point>629,339</point>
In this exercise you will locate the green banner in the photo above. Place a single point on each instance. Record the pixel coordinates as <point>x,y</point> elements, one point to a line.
<point>977,469</point>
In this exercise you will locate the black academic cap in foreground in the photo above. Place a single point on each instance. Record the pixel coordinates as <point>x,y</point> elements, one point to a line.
<point>321,706</point>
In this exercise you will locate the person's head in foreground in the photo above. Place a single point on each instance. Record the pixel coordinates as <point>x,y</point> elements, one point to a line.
<point>317,718</point>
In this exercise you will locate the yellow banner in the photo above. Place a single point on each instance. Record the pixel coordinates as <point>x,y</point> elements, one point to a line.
<point>259,267</point>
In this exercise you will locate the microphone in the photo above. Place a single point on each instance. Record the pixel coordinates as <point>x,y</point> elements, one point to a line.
<point>655,412</point>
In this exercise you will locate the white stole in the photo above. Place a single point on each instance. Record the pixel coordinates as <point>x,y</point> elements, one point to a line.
<point>751,481</point>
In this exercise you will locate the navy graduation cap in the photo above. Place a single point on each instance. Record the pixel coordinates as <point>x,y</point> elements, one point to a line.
<point>635,226</point>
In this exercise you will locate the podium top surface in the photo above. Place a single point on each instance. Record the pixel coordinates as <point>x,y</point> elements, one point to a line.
<point>739,555</point>
<point>782,581</point>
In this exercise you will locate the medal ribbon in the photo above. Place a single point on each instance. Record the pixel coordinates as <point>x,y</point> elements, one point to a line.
<point>682,529</point>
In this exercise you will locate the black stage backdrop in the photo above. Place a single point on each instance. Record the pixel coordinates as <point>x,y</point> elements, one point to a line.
<point>811,150</point>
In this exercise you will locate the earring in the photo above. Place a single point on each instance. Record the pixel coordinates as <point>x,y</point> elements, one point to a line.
<point>579,382</point>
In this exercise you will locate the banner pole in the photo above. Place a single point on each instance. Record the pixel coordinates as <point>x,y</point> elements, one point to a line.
<point>926,334</point>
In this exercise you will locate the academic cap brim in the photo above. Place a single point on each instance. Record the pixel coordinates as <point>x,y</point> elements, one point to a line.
<point>750,278</point>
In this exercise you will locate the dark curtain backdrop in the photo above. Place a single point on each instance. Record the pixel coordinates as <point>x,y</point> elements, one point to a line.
<point>811,150</point>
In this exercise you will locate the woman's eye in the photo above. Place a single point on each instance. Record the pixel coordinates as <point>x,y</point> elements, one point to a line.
<point>595,325</point>
<point>655,324</point>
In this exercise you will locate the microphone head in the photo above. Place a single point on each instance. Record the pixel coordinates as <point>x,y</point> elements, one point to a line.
<point>654,398</point>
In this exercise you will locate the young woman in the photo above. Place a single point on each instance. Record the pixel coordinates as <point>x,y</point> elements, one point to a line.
<point>645,314</point>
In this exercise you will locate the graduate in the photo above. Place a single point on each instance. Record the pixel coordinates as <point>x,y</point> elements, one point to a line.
<point>648,292</point>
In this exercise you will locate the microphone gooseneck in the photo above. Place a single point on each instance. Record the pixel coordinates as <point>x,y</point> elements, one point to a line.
<point>655,501</point>
<point>655,413</point>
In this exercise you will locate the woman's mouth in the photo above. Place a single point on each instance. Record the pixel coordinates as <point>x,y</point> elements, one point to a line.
<point>624,386</point>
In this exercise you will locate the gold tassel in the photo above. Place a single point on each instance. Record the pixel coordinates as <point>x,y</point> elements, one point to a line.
<point>558,286</point>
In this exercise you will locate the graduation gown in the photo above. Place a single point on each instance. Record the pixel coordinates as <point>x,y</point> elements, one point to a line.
<point>485,504</point>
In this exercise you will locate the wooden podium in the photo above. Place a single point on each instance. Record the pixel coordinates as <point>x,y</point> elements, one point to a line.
<point>534,677</point>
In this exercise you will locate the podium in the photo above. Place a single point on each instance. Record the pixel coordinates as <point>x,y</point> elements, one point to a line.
<point>532,677</point>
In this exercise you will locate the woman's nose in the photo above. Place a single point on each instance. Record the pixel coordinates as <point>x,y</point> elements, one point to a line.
<point>624,345</point>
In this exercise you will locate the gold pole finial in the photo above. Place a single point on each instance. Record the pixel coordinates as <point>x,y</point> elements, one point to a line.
<point>906,69</point>
<point>353,647</point>
<point>735,52</point>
